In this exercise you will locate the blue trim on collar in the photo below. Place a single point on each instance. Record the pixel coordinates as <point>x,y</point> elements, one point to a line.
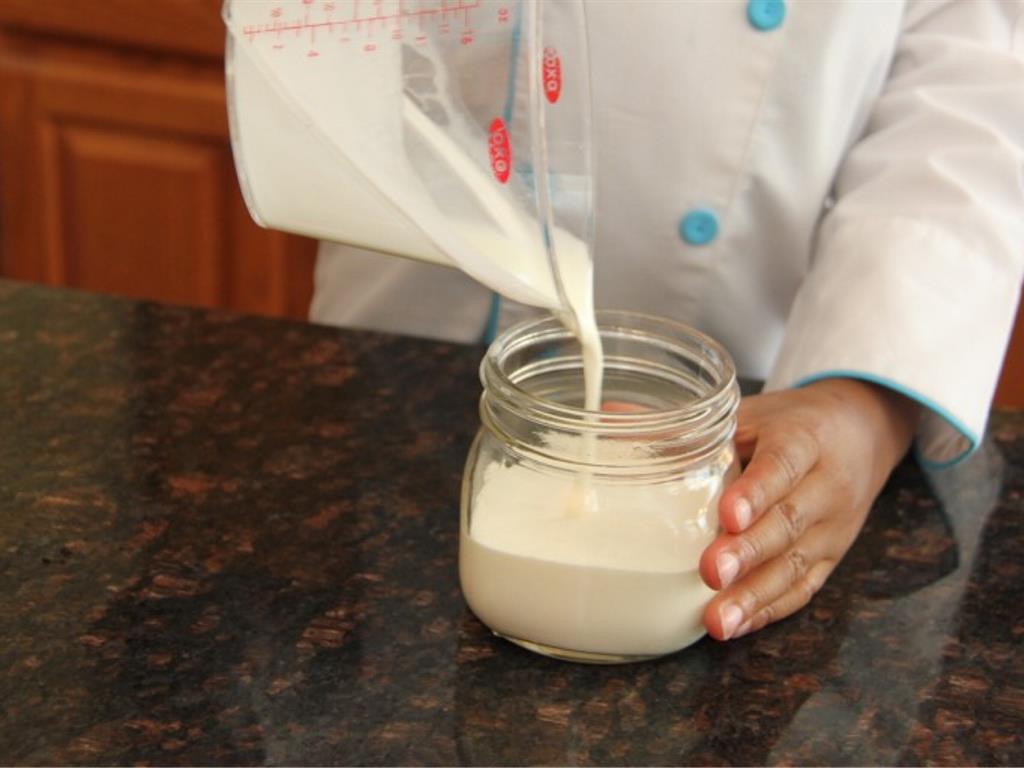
<point>493,314</point>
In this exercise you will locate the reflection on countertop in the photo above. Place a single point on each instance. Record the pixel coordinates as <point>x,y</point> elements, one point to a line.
<point>226,539</point>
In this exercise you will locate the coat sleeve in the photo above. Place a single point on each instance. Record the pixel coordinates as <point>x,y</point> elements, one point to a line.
<point>917,267</point>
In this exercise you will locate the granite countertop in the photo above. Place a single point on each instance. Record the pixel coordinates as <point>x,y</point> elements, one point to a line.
<point>226,539</point>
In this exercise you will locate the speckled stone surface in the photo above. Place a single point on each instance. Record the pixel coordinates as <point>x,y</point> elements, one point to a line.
<point>233,540</point>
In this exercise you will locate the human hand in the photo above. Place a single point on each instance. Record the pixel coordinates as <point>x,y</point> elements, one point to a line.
<point>818,456</point>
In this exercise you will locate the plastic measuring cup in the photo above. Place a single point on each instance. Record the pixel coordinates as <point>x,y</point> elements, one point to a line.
<point>452,131</point>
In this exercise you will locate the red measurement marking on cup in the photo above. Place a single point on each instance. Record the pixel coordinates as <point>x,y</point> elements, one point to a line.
<point>387,18</point>
<point>500,150</point>
<point>551,69</point>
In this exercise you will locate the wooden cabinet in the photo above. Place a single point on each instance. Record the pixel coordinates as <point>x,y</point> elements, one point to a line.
<point>116,172</point>
<point>1010,392</point>
<point>115,166</point>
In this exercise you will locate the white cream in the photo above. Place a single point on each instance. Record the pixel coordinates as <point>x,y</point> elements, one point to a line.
<point>620,579</point>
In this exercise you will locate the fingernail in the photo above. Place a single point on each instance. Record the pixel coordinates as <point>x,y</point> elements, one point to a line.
<point>728,566</point>
<point>743,628</point>
<point>731,616</point>
<point>743,511</point>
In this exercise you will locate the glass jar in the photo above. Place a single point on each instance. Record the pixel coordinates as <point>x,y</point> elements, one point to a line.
<point>581,531</point>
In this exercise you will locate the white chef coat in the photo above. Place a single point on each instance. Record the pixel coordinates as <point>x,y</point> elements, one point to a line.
<point>855,171</point>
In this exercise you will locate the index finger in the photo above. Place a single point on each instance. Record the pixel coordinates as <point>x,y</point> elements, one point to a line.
<point>781,458</point>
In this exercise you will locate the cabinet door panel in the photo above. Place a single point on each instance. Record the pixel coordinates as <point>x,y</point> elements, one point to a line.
<point>267,268</point>
<point>142,214</point>
<point>116,176</point>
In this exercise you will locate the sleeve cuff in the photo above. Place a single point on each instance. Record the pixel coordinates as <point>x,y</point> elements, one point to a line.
<point>906,305</point>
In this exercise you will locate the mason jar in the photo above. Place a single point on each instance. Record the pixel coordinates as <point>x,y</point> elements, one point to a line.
<point>581,531</point>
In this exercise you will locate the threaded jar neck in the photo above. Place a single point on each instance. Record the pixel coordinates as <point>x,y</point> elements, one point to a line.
<point>682,383</point>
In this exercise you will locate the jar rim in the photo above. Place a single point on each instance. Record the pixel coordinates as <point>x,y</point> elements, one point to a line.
<point>721,396</point>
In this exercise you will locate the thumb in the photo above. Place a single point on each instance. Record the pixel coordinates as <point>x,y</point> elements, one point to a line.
<point>750,418</point>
